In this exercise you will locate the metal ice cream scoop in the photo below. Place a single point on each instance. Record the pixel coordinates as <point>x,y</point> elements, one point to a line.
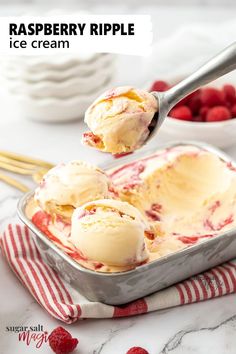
<point>221,64</point>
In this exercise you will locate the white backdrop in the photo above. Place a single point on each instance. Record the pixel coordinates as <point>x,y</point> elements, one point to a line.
<point>131,3</point>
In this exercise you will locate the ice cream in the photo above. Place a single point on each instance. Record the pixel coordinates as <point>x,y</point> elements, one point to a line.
<point>162,203</point>
<point>111,232</point>
<point>186,194</point>
<point>119,120</point>
<point>67,186</point>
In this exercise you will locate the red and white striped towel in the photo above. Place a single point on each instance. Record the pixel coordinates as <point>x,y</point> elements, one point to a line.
<point>67,305</point>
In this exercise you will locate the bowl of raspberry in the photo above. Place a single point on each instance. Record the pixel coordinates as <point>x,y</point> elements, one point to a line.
<point>208,114</point>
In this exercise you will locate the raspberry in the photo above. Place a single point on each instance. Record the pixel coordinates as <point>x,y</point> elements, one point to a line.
<point>182,112</point>
<point>187,99</point>
<point>230,93</point>
<point>203,112</point>
<point>212,97</point>
<point>182,102</point>
<point>194,94</point>
<point>194,104</point>
<point>61,341</point>
<point>233,111</point>
<point>160,86</point>
<point>217,114</point>
<point>137,350</point>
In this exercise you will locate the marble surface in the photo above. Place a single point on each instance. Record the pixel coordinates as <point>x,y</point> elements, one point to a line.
<point>207,327</point>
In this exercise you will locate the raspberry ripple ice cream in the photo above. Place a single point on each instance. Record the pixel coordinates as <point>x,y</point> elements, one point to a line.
<point>67,186</point>
<point>119,120</point>
<point>162,203</point>
<point>111,232</point>
<point>187,195</point>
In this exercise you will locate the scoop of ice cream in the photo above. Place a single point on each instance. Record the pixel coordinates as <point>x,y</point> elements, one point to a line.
<point>67,186</point>
<point>119,120</point>
<point>111,232</point>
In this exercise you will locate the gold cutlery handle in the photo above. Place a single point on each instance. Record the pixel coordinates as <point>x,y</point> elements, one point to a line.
<point>14,183</point>
<point>28,159</point>
<point>15,169</point>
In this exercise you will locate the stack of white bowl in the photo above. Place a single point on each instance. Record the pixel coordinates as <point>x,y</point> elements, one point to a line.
<point>57,88</point>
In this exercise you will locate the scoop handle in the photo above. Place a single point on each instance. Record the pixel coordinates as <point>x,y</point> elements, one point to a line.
<point>221,64</point>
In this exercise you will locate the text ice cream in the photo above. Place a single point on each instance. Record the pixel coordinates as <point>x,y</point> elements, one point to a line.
<point>67,186</point>
<point>119,120</point>
<point>111,232</point>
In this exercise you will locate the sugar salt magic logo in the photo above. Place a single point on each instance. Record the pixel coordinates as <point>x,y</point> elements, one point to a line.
<point>30,335</point>
<point>124,34</point>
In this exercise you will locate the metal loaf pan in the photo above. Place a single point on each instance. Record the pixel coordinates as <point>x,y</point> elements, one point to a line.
<point>121,288</point>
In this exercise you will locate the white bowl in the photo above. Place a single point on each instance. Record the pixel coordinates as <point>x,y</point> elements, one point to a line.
<point>221,134</point>
<point>64,89</point>
<point>19,72</point>
<point>56,110</point>
<point>49,62</point>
